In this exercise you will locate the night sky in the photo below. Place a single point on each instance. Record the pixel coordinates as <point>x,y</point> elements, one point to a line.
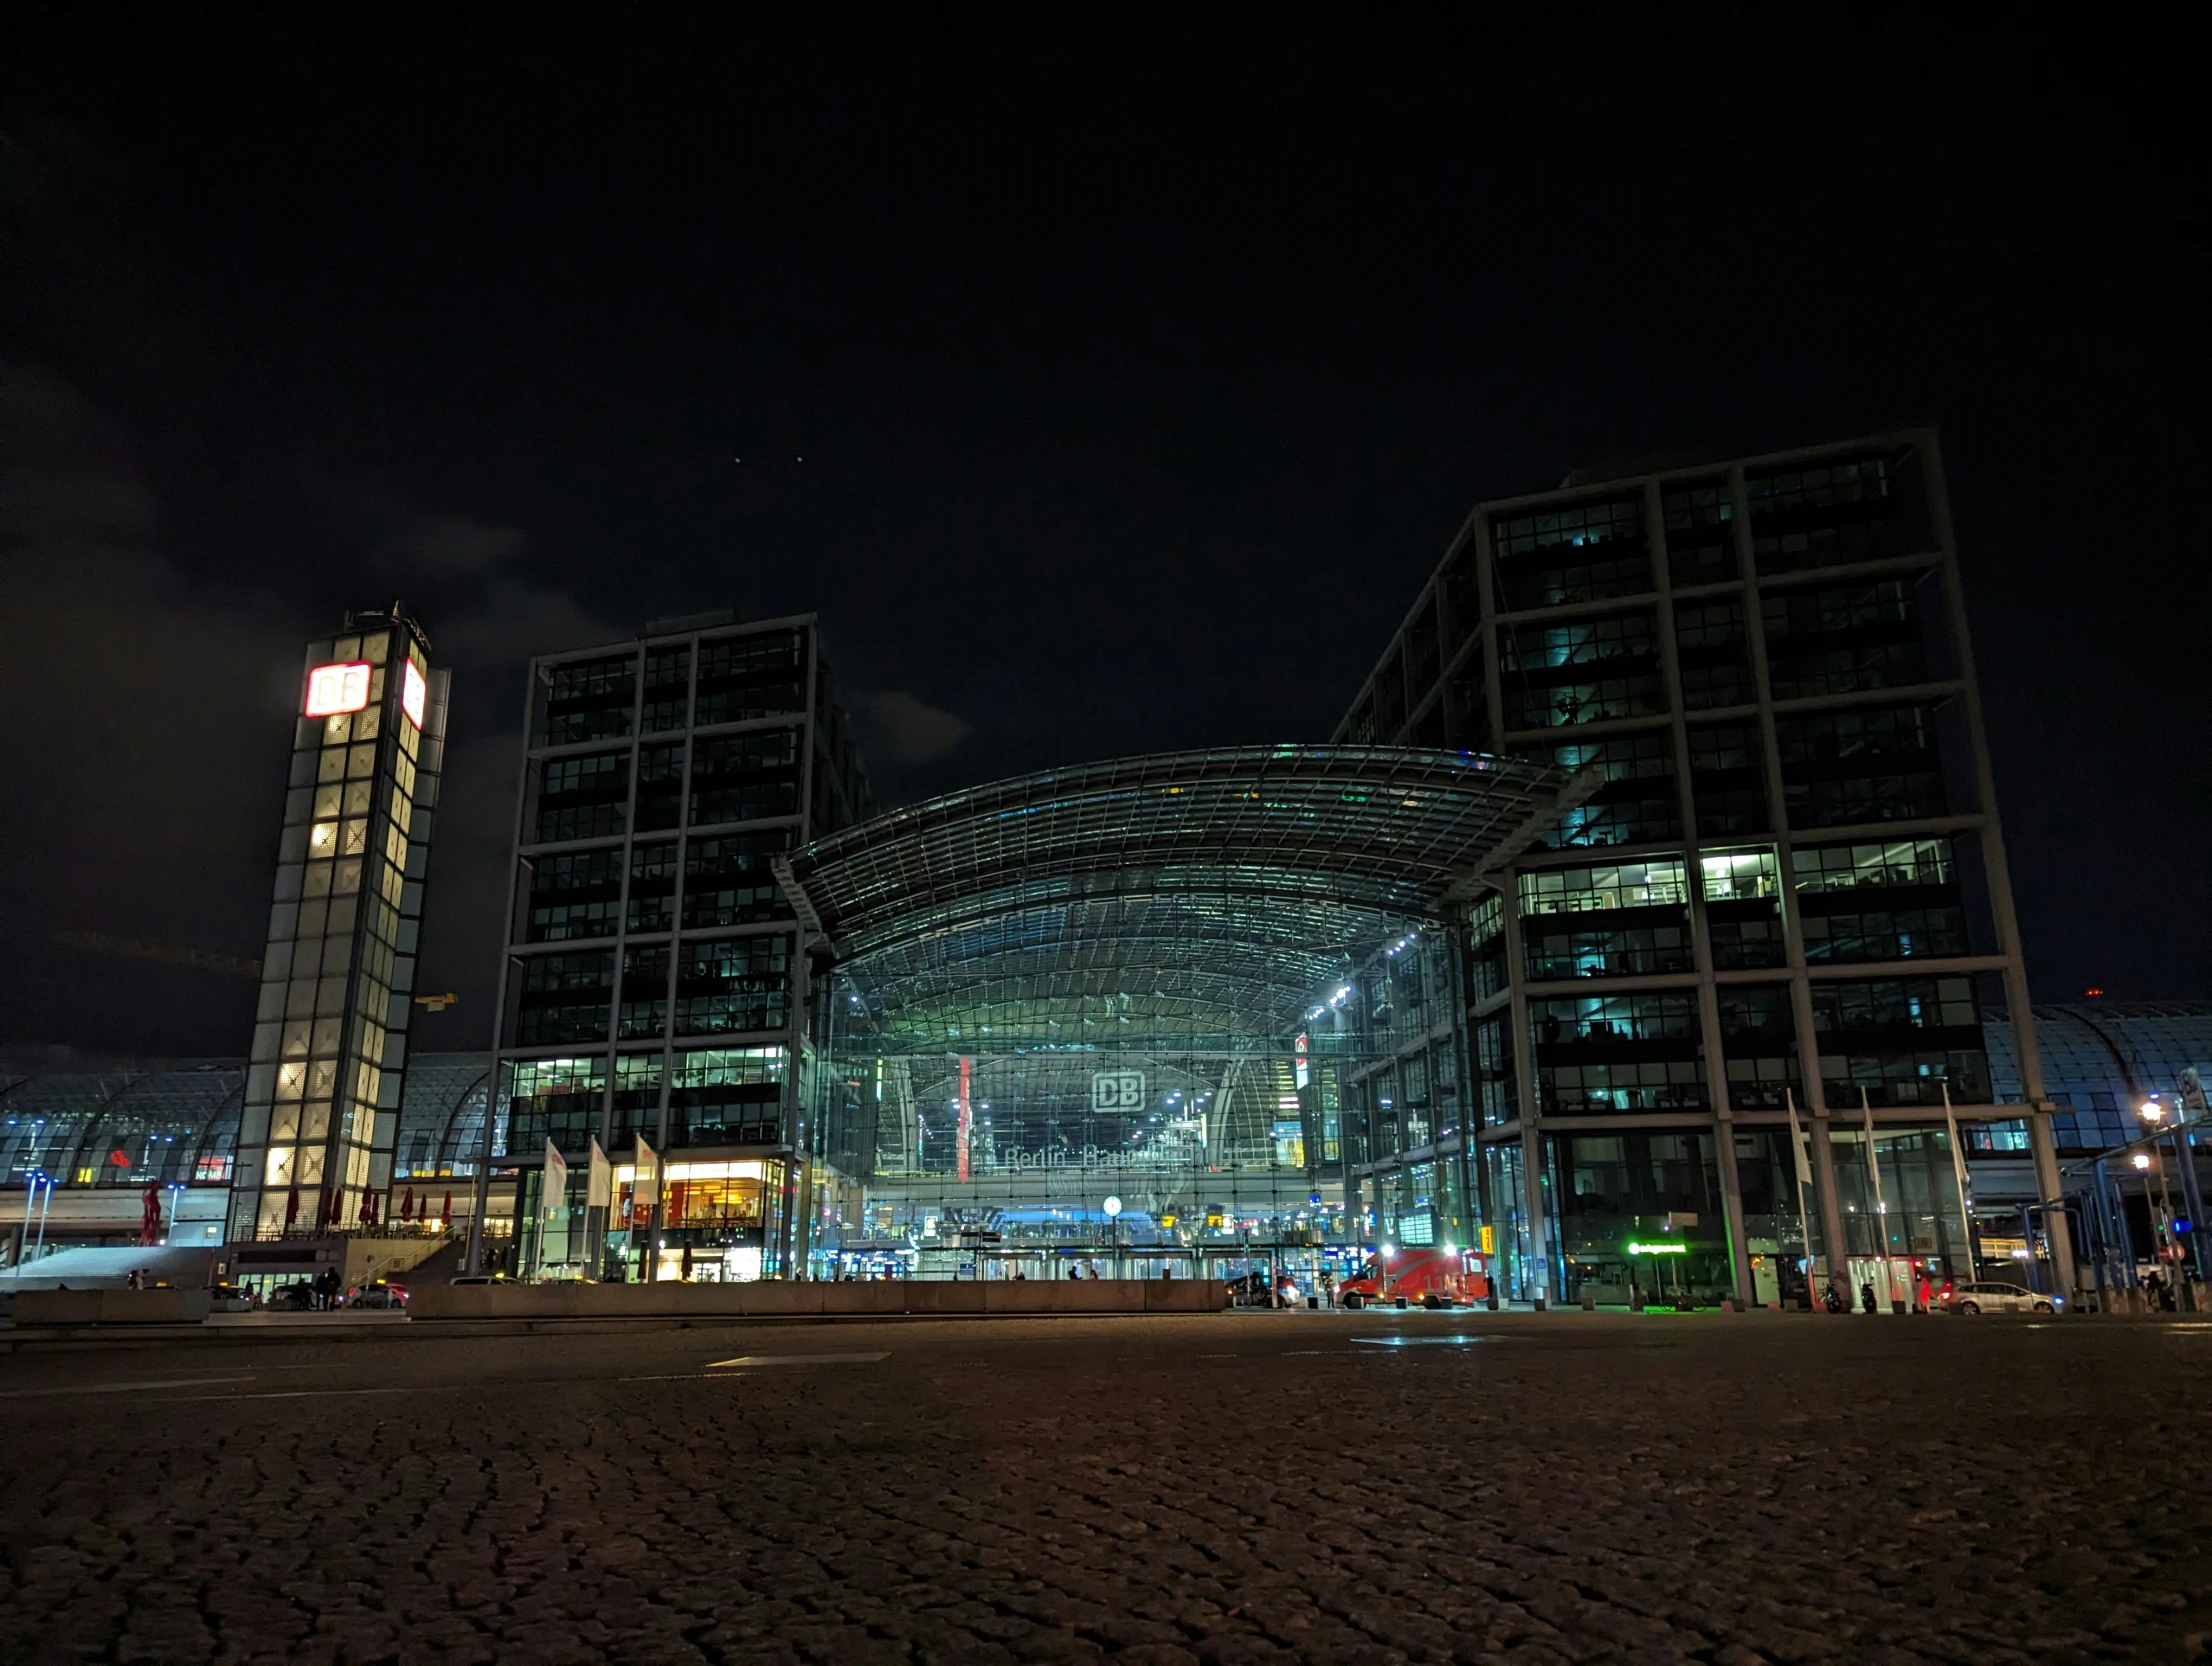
<point>1109,382</point>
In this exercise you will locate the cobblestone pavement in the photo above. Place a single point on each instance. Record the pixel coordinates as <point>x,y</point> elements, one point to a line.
<point>1324,1487</point>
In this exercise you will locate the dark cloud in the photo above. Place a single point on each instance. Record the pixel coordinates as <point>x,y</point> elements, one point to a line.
<point>906,730</point>
<point>149,714</point>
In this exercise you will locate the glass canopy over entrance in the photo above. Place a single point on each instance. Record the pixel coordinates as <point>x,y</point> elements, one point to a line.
<point>1137,1014</point>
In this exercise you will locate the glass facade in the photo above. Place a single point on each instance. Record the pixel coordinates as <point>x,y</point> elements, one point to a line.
<point>317,1134</point>
<point>177,1126</point>
<point>1159,1016</point>
<point>1775,896</point>
<point>653,989</point>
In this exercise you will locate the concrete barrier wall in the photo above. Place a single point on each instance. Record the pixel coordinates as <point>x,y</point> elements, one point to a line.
<point>110,1307</point>
<point>776,1299</point>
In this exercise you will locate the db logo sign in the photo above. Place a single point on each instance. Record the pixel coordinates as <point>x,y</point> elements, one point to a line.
<point>1117,1090</point>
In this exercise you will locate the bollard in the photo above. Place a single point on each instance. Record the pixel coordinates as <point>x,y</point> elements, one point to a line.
<point>1589,1304</point>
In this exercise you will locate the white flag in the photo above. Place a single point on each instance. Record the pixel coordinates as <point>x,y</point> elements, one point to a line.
<point>1797,1144</point>
<point>1958,1152</point>
<point>555,1197</point>
<point>599,1190</point>
<point>645,1187</point>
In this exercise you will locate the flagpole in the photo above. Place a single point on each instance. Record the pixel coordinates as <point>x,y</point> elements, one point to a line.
<point>1801,1168</point>
<point>1958,1173</point>
<point>1881,1211</point>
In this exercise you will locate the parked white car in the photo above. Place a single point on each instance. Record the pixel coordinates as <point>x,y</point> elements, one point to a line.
<point>1994,1298</point>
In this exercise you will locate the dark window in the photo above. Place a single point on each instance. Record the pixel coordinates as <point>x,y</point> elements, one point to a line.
<point>1869,763</point>
<point>727,881</point>
<point>1462,619</point>
<point>1902,1040</point>
<point>644,1015</point>
<point>1604,1053</point>
<point>575,896</point>
<point>1637,802</point>
<point>751,676</point>
<point>1838,639</point>
<point>1728,779</point>
<point>660,786</point>
<point>1390,698</point>
<point>583,798</point>
<point>652,886</point>
<point>667,687</point>
<point>1826,515</point>
<point>1487,936</point>
<point>1467,707</point>
<point>734,984</point>
<point>1712,654</point>
<point>1494,1074</point>
<point>589,699</point>
<point>745,777</point>
<point>1421,661</point>
<point>1359,728</point>
<point>1582,671</point>
<point>1758,1037</point>
<point>1701,533</point>
<point>564,997</point>
<point>1578,554</point>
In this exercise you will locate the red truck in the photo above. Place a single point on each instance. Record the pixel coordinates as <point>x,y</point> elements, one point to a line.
<point>1420,1277</point>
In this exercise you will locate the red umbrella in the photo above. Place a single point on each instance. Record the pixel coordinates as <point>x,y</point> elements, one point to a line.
<point>445,1215</point>
<point>407,1205</point>
<point>149,1223</point>
<point>291,1207</point>
<point>368,1207</point>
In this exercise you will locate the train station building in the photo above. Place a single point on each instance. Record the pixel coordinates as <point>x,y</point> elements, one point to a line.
<point>1643,932</point>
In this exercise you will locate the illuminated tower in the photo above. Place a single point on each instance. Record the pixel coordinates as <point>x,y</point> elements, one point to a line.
<point>330,1036</point>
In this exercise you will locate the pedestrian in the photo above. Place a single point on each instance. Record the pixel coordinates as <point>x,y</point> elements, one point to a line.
<point>130,1281</point>
<point>1074,1271</point>
<point>1866,1296</point>
<point>1923,1296</point>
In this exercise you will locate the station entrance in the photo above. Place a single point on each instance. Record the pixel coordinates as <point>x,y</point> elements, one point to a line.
<point>1147,1018</point>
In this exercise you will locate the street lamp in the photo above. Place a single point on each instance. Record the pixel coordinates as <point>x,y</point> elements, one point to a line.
<point>1113,1225</point>
<point>2153,1113</point>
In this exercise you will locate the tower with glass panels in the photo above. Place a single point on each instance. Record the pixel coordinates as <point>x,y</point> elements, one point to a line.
<point>323,1081</point>
<point>652,987</point>
<point>1791,887</point>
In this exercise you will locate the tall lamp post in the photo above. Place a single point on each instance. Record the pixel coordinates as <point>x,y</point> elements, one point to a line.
<point>1113,1225</point>
<point>2153,1113</point>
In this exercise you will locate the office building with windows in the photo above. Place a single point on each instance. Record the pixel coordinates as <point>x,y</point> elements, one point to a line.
<point>653,990</point>
<point>320,1104</point>
<point>1789,890</point>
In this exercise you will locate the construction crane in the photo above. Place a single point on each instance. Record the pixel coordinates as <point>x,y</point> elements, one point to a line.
<point>204,960</point>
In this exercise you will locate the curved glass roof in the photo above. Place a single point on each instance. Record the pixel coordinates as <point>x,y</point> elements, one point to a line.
<point>1199,896</point>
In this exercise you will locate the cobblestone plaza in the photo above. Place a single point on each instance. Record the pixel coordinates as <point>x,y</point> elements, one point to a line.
<point>1319,1487</point>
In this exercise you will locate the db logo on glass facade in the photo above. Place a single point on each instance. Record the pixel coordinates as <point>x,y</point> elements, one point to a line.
<point>1117,1090</point>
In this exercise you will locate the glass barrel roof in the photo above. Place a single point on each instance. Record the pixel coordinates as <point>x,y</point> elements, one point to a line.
<point>1192,895</point>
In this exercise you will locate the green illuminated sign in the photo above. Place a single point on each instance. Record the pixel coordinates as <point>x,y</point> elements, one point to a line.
<point>1658,1249</point>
